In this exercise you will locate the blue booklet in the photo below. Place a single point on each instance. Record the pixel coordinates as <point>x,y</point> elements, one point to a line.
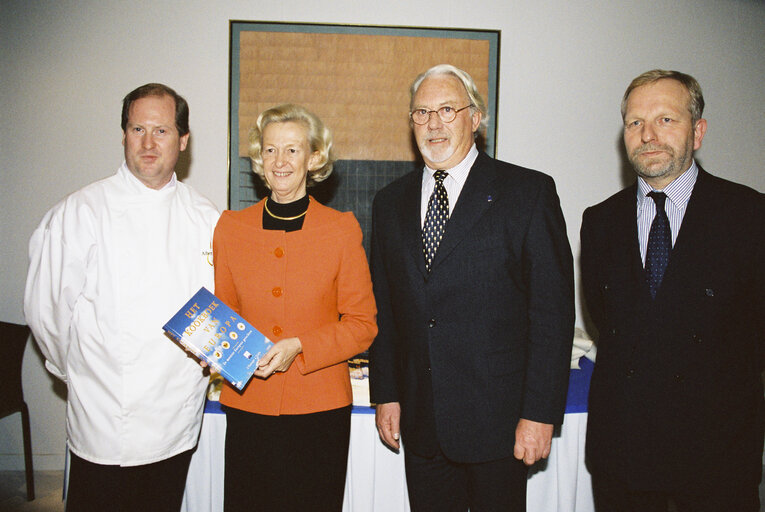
<point>218,335</point>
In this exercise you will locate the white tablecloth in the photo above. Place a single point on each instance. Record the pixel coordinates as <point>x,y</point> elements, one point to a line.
<point>562,483</point>
<point>376,482</point>
<point>375,479</point>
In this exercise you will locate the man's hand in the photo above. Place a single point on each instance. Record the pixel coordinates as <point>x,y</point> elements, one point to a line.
<point>279,357</point>
<point>388,417</point>
<point>532,441</point>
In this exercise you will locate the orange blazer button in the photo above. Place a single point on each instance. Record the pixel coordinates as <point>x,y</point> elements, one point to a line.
<point>279,252</point>
<point>277,291</point>
<point>277,330</point>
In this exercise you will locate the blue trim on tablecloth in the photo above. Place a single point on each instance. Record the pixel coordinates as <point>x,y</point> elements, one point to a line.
<point>579,387</point>
<point>576,401</point>
<point>215,407</point>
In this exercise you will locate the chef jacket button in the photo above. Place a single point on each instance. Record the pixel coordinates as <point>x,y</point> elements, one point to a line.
<point>277,291</point>
<point>279,252</point>
<point>277,330</point>
<point>432,323</point>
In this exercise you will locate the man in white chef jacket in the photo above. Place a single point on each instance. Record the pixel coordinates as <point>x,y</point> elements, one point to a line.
<point>109,265</point>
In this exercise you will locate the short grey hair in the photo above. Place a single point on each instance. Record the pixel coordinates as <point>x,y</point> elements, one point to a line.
<point>479,105</point>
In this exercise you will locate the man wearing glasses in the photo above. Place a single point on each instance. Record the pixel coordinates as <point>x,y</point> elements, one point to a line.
<point>473,278</point>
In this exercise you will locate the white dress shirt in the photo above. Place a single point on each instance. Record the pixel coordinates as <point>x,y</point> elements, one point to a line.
<point>109,265</point>
<point>453,183</point>
<point>678,194</point>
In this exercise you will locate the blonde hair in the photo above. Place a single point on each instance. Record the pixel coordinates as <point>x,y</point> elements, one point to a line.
<point>319,139</point>
<point>696,98</point>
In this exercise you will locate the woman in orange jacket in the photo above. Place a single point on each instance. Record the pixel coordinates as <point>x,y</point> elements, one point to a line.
<point>297,271</point>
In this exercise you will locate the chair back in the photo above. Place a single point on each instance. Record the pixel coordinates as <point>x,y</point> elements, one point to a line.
<point>13,340</point>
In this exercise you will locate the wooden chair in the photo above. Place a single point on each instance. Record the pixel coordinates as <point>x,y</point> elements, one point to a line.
<point>13,340</point>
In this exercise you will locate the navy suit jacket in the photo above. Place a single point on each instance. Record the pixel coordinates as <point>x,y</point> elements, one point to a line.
<point>676,395</point>
<point>485,338</point>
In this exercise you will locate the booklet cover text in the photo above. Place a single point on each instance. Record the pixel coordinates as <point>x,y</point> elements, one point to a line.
<point>218,335</point>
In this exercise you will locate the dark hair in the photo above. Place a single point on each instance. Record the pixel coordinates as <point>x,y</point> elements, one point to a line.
<point>181,107</point>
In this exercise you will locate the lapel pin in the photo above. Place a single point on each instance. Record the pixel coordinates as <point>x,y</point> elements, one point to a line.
<point>489,198</point>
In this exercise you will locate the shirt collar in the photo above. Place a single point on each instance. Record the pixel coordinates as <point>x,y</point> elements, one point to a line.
<point>138,186</point>
<point>460,171</point>
<point>678,191</point>
<point>171,183</point>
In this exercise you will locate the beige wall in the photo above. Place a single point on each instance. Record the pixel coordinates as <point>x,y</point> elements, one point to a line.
<point>64,66</point>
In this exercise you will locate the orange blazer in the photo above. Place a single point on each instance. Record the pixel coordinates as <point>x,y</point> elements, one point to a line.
<point>314,284</point>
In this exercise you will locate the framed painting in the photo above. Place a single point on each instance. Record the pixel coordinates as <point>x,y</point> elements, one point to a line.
<point>356,79</point>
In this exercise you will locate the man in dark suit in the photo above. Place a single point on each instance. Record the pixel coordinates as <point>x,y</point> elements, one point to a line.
<point>673,273</point>
<point>472,274</point>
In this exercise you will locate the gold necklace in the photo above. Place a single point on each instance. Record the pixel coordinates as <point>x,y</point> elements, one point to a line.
<point>265,205</point>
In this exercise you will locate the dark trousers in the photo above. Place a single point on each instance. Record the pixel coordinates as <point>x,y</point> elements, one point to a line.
<point>157,487</point>
<point>286,463</point>
<point>615,496</point>
<point>439,485</point>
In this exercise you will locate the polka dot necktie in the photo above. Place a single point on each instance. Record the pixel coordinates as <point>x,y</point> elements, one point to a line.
<point>435,219</point>
<point>659,245</point>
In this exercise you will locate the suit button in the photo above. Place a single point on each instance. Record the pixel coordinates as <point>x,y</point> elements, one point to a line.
<point>277,292</point>
<point>432,323</point>
<point>709,292</point>
<point>630,372</point>
<point>679,378</point>
<point>277,330</point>
<point>614,331</point>
<point>696,338</point>
<point>606,287</point>
<point>279,252</point>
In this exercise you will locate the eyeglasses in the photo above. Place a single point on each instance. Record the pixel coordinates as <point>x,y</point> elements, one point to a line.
<point>446,113</point>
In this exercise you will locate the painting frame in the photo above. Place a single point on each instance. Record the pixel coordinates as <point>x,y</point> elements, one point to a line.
<point>241,183</point>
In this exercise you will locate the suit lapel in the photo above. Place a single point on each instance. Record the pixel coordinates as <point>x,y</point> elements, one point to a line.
<point>625,246</point>
<point>692,230</point>
<point>411,221</point>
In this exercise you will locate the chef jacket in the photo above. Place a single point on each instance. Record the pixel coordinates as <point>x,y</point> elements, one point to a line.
<point>109,265</point>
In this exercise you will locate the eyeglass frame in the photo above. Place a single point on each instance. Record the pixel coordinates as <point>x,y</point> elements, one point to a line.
<point>438,112</point>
